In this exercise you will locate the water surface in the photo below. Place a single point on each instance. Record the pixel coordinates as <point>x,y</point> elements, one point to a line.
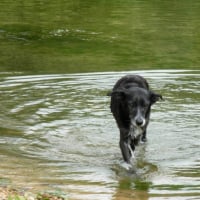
<point>57,133</point>
<point>81,36</point>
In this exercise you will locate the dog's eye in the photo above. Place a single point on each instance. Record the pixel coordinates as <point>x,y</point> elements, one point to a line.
<point>132,104</point>
<point>145,107</point>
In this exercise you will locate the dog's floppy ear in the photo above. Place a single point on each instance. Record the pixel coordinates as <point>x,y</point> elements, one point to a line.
<point>154,97</point>
<point>120,94</point>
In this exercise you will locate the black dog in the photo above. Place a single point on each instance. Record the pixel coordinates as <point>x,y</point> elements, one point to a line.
<point>131,102</point>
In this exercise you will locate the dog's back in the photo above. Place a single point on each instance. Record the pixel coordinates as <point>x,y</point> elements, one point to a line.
<point>131,81</point>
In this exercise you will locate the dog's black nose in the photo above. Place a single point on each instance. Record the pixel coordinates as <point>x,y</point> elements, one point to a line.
<point>139,121</point>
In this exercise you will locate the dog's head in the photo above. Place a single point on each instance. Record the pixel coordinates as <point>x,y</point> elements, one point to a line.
<point>138,102</point>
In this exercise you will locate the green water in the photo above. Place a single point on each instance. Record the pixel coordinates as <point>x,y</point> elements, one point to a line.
<point>56,129</point>
<point>81,36</point>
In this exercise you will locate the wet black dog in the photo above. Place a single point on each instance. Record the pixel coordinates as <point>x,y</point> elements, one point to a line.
<point>131,102</point>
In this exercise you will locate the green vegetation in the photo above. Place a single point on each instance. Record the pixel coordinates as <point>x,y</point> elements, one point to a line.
<point>13,194</point>
<point>68,36</point>
<point>45,196</point>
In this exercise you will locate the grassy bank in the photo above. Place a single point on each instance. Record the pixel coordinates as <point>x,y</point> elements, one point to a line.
<point>13,194</point>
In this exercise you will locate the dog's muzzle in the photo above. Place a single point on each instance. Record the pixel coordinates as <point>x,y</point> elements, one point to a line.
<point>138,122</point>
<point>136,129</point>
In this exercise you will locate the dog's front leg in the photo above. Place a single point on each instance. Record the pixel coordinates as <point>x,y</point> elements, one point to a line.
<point>125,145</point>
<point>144,138</point>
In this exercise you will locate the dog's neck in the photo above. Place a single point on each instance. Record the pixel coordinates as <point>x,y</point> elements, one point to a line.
<point>135,131</point>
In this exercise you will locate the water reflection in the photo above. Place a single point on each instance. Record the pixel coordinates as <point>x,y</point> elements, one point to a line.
<point>57,133</point>
<point>129,189</point>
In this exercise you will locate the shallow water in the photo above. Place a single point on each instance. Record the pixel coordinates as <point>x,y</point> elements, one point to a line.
<point>57,133</point>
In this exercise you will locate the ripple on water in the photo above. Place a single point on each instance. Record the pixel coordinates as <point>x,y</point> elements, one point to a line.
<point>57,132</point>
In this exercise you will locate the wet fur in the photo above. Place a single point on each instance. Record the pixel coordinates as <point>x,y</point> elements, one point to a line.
<point>131,102</point>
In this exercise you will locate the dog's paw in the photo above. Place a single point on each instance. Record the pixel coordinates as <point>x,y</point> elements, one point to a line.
<point>126,166</point>
<point>143,140</point>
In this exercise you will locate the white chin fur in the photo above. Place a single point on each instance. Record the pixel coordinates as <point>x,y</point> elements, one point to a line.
<point>138,131</point>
